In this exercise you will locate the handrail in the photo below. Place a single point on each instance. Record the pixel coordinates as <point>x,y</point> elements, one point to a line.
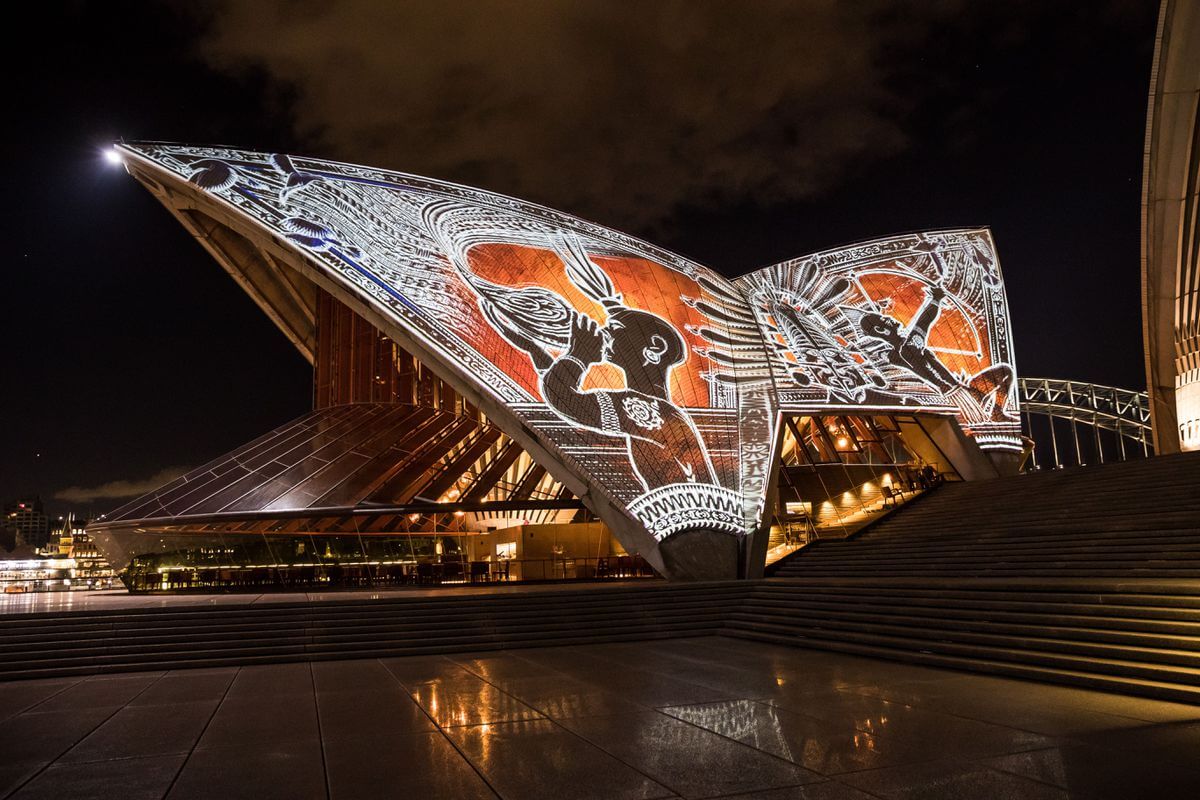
<point>1123,412</point>
<point>1110,407</point>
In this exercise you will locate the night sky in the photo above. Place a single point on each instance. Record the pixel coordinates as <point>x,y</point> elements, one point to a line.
<point>738,134</point>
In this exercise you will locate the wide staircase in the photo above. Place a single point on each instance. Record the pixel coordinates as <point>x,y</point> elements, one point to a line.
<point>1088,576</point>
<point>1136,519</point>
<point>53,644</point>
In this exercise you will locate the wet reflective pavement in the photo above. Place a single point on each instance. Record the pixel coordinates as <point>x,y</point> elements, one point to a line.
<point>692,718</point>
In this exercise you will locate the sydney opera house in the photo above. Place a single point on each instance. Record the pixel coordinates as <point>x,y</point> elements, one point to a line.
<point>505,392</point>
<point>749,494</point>
<point>502,392</point>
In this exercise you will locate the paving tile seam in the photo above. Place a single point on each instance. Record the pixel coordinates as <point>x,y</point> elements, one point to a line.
<point>1033,778</point>
<point>1107,714</point>
<point>625,664</point>
<point>522,657</point>
<point>1088,740</point>
<point>590,743</point>
<point>200,736</point>
<point>831,777</point>
<point>935,712</point>
<point>565,676</point>
<point>106,760</point>
<point>496,683</point>
<point>29,708</point>
<point>1058,739</point>
<point>741,794</point>
<point>312,682</point>
<point>787,761</point>
<point>97,726</point>
<point>751,792</point>
<point>863,791</point>
<point>953,762</point>
<point>665,672</point>
<point>1118,715</point>
<point>956,715</point>
<point>770,703</point>
<point>440,732</point>
<point>615,757</point>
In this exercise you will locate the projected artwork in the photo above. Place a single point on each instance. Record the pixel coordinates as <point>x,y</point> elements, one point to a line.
<point>918,320</point>
<point>651,379</point>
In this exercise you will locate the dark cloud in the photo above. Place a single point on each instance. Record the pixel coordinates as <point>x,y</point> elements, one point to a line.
<point>619,111</point>
<point>119,490</point>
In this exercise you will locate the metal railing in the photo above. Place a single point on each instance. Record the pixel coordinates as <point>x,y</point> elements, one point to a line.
<point>1115,423</point>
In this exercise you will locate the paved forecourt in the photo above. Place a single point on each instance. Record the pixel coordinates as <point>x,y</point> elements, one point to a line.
<point>701,717</point>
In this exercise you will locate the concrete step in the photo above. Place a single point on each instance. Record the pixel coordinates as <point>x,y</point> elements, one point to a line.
<point>1065,568</point>
<point>146,623</point>
<point>141,638</point>
<point>1088,577</point>
<point>1161,690</point>
<point>1137,609</point>
<point>968,555</point>
<point>428,629</point>
<point>1011,649</point>
<point>1054,635</point>
<point>1045,614</point>
<point>918,540</point>
<point>384,650</point>
<point>311,651</point>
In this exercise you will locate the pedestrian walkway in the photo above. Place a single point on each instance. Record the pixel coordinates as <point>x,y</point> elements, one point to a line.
<point>693,718</point>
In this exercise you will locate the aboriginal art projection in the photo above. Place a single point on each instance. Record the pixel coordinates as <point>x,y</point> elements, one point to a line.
<point>917,320</point>
<point>646,381</point>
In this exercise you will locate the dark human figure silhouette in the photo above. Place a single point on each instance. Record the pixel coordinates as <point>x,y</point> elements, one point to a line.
<point>908,349</point>
<point>664,446</point>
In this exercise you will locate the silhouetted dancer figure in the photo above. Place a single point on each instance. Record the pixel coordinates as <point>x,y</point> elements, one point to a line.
<point>908,349</point>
